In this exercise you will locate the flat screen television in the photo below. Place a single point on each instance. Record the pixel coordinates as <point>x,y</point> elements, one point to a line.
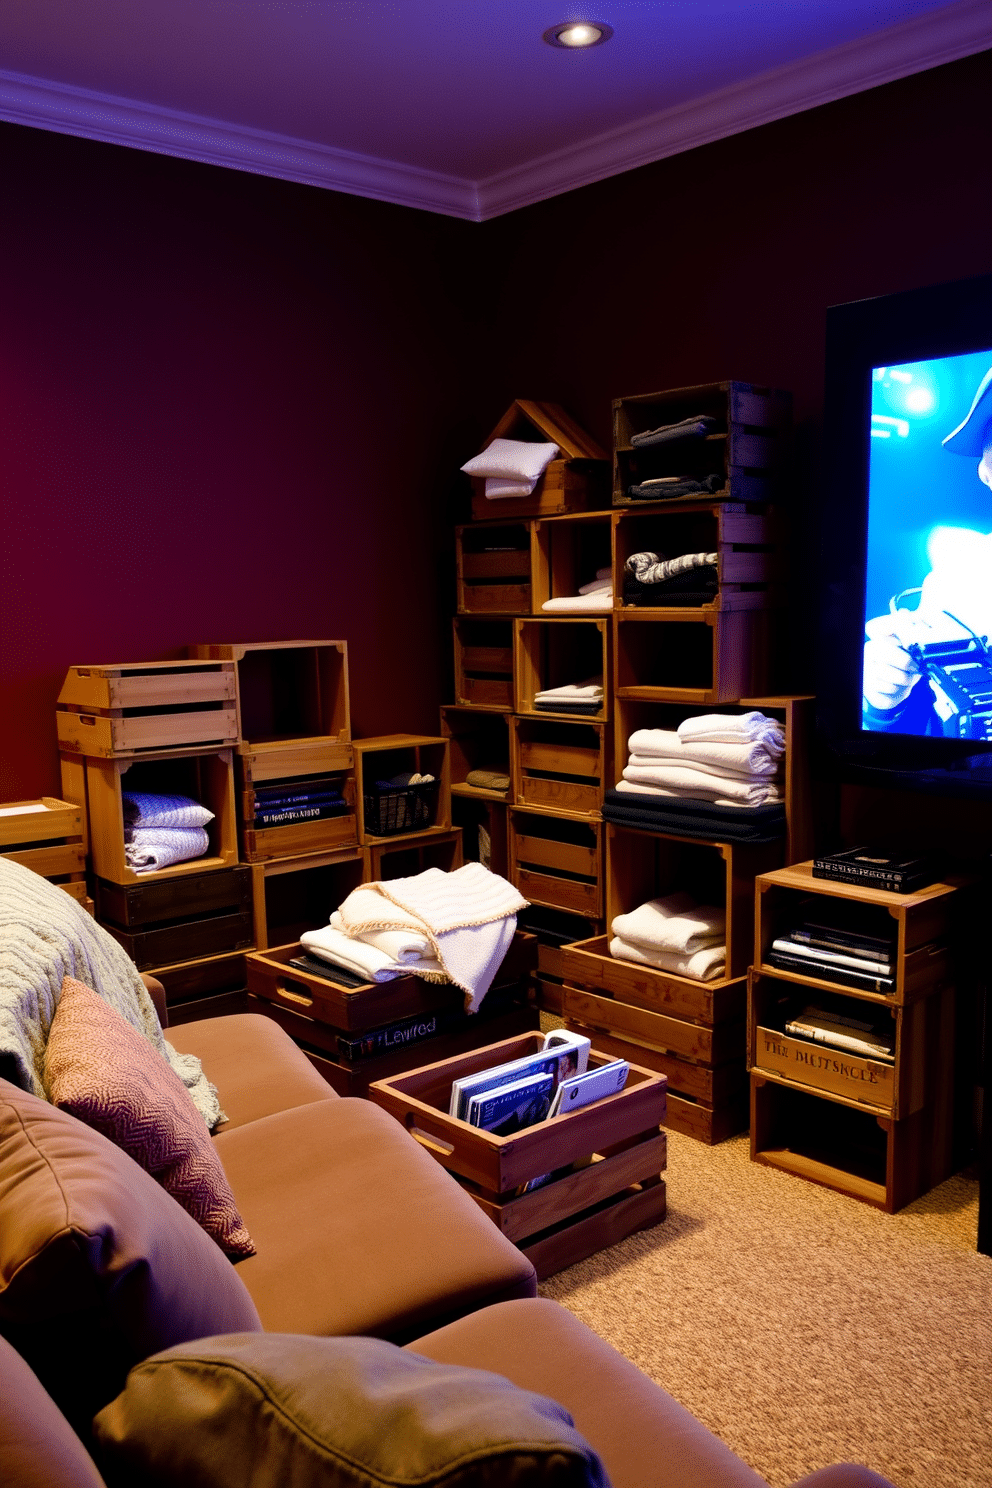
<point>904,666</point>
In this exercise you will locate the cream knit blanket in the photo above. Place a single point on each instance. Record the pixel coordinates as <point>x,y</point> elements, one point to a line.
<point>467,917</point>
<point>44,936</point>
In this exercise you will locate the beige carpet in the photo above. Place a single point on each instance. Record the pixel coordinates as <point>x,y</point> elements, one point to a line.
<point>804,1327</point>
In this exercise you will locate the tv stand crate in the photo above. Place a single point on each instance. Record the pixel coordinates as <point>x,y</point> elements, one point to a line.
<point>595,1204</point>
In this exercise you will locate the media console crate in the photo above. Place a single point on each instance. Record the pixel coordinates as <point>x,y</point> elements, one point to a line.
<point>128,708</point>
<point>288,691</point>
<point>318,1012</point>
<point>614,1148</point>
<point>46,835</point>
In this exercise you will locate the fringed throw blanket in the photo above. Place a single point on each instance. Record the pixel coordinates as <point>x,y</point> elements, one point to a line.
<point>44,936</point>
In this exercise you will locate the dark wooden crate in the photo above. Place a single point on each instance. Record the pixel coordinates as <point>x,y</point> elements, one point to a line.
<point>131,906</point>
<point>187,940</point>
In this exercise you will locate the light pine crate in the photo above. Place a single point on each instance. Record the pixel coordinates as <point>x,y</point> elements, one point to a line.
<point>46,835</point>
<point>291,895</point>
<point>570,552</point>
<point>387,755</point>
<point>478,741</point>
<point>558,651</point>
<point>560,766</point>
<point>287,691</point>
<point>557,861</point>
<point>483,663</point>
<point>127,708</point>
<point>496,568</point>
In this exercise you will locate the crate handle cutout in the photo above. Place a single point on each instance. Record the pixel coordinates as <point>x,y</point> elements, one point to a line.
<point>284,991</point>
<point>427,1139</point>
<point>87,720</point>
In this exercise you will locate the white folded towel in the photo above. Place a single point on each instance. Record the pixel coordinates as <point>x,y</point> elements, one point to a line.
<point>702,966</point>
<point>366,960</point>
<point>401,945</point>
<point>597,600</point>
<point>603,580</point>
<point>680,780</point>
<point>673,923</point>
<point>573,692</point>
<point>681,795</point>
<point>744,758</point>
<point>734,728</point>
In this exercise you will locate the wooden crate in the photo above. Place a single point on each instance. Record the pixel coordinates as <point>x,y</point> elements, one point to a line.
<point>560,766</point>
<point>795,713</point>
<point>206,987</point>
<point>291,895</point>
<point>261,764</point>
<point>484,664</point>
<point>921,921</point>
<point>849,1144</point>
<point>557,861</point>
<point>556,652</point>
<point>174,920</point>
<point>409,853</point>
<point>478,741</point>
<point>690,656</point>
<point>744,538</point>
<point>295,839</point>
<point>46,835</point>
<point>748,447</point>
<point>206,935</point>
<point>495,568</point>
<point>76,889</point>
<point>288,691</point>
<point>471,818</point>
<point>595,1203</point>
<point>570,551</point>
<point>387,755</point>
<point>556,931</point>
<point>205,775</point>
<point>578,479</point>
<point>132,708</point>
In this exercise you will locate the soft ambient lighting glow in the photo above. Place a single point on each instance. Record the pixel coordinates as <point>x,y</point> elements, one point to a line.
<point>577,34</point>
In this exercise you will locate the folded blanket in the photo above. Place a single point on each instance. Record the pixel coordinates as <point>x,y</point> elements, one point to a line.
<point>667,488</point>
<point>675,923</point>
<point>468,917</point>
<point>402,946</point>
<point>512,467</point>
<point>596,600</point>
<point>680,779</point>
<point>142,809</point>
<point>46,936</point>
<point>734,728</point>
<point>573,692</point>
<point>553,705</point>
<point>746,758</point>
<point>149,848</point>
<point>688,816</point>
<point>696,427</point>
<point>703,966</point>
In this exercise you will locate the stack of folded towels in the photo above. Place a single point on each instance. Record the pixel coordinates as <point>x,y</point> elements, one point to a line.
<point>160,831</point>
<point>511,467</point>
<point>596,595</point>
<point>726,758</point>
<point>675,934</point>
<point>444,927</point>
<point>574,697</point>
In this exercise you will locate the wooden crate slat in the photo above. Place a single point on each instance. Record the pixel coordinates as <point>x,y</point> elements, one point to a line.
<point>47,819</point>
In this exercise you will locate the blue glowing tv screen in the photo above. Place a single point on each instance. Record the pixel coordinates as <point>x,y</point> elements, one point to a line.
<point>927,668</point>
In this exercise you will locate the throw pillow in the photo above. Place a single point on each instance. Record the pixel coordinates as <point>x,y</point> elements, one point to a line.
<point>142,809</point>
<point>100,1070</point>
<point>512,459</point>
<point>99,1267</point>
<point>356,1412</point>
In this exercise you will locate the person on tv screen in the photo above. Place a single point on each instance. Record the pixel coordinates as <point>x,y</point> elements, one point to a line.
<point>915,660</point>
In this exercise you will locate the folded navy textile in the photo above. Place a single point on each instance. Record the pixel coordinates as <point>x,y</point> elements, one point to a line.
<point>683,486</point>
<point>688,817</point>
<point>569,707</point>
<point>696,427</point>
<point>697,586</point>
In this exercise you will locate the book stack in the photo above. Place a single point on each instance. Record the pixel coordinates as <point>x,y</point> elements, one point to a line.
<point>877,868</point>
<point>856,1034</point>
<point>836,945</point>
<point>281,802</point>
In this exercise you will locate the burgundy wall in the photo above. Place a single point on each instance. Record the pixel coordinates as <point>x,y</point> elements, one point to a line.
<point>227,412</point>
<point>232,408</point>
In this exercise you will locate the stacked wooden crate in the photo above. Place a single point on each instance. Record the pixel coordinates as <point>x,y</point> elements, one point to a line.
<point>659,665</point>
<point>49,837</point>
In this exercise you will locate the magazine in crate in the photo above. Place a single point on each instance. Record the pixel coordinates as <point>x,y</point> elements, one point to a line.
<point>564,1054</point>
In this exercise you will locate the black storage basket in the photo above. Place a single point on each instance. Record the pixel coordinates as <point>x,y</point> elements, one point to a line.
<point>401,808</point>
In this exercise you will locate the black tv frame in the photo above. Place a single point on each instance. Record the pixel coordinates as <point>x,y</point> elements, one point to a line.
<point>915,325</point>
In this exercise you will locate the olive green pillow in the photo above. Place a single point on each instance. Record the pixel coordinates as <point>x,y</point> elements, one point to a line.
<point>280,1408</point>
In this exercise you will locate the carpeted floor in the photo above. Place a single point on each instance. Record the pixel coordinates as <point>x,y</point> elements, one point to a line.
<point>804,1327</point>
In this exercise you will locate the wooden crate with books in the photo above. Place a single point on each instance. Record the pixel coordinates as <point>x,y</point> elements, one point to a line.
<point>289,817</point>
<point>562,1188</point>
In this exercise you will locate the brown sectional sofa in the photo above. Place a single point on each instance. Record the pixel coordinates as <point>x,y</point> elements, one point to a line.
<point>358,1232</point>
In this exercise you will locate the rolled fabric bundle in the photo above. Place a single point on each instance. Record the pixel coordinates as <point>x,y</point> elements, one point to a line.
<point>702,966</point>
<point>496,780</point>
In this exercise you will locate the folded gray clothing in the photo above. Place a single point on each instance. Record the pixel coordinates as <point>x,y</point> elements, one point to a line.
<point>696,427</point>
<point>144,809</point>
<point>698,587</point>
<point>653,568</point>
<point>666,488</point>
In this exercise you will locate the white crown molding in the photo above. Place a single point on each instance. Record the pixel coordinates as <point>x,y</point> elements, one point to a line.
<point>945,35</point>
<point>958,30</point>
<point>118,121</point>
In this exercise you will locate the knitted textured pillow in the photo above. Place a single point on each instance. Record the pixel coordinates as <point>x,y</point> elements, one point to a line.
<point>100,1070</point>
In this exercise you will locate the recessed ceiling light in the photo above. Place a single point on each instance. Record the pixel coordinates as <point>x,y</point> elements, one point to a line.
<point>576,34</point>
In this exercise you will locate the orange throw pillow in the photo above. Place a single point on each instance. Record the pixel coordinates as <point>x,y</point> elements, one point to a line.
<point>100,1069</point>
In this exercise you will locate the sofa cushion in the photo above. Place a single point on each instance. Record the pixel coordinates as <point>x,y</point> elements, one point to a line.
<point>645,1438</point>
<point>257,1068</point>
<point>99,1267</point>
<point>358,1229</point>
<point>100,1070</point>
<point>355,1412</point>
<point>38,1447</point>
